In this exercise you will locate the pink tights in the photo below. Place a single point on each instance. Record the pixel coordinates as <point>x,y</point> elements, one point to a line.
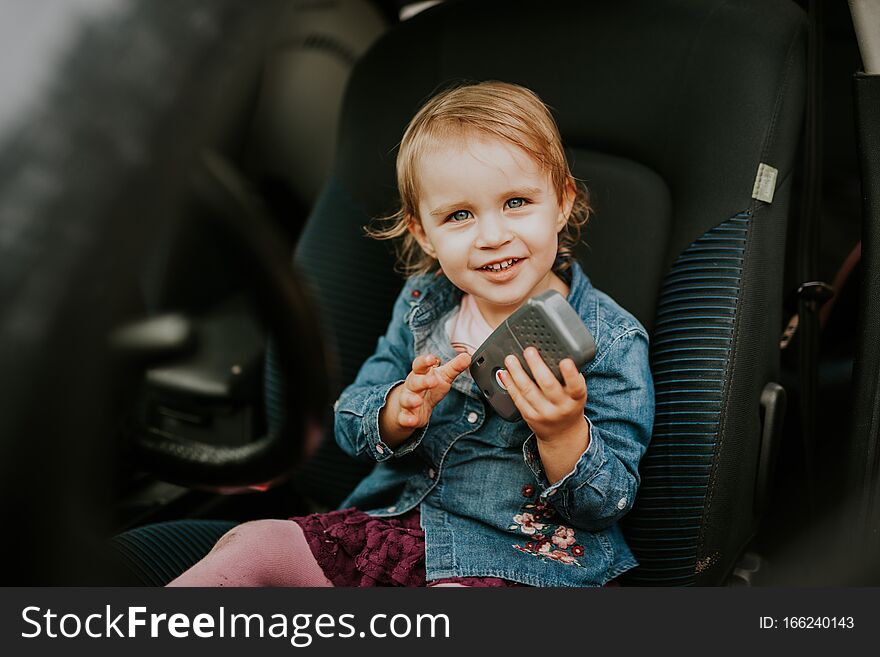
<point>260,553</point>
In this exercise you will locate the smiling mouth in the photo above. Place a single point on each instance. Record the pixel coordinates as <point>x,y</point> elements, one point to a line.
<point>501,266</point>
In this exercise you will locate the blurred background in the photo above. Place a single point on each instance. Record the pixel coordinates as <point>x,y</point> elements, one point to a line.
<point>158,162</point>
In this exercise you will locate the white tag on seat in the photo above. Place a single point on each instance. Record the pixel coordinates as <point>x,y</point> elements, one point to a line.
<point>765,183</point>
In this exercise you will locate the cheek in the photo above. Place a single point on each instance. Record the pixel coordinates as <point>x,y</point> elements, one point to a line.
<point>544,239</point>
<point>452,247</point>
<point>452,258</point>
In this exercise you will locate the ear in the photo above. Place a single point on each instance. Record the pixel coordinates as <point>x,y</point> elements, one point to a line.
<point>414,226</point>
<point>567,204</point>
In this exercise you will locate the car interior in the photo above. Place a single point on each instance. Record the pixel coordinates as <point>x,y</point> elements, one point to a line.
<point>190,286</point>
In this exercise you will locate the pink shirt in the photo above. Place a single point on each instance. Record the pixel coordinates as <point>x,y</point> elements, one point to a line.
<point>467,329</point>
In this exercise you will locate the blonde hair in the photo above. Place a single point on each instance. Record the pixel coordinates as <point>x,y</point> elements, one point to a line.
<point>498,109</point>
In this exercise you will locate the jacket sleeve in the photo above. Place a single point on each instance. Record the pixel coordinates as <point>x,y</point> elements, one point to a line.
<point>602,486</point>
<point>357,409</point>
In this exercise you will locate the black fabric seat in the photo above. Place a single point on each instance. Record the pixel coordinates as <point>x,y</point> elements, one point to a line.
<point>668,107</point>
<point>153,555</point>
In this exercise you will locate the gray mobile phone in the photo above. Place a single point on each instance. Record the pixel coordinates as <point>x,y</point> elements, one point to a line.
<point>546,322</point>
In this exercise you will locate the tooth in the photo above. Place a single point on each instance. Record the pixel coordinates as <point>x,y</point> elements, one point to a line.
<point>499,266</point>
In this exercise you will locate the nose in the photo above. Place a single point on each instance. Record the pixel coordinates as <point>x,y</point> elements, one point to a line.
<point>492,231</point>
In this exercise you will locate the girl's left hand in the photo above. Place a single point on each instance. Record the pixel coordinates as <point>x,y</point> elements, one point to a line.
<point>549,408</point>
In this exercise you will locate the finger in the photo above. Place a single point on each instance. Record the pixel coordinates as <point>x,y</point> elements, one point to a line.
<point>423,364</point>
<point>527,387</point>
<point>421,382</point>
<point>407,419</point>
<point>409,400</point>
<point>453,368</point>
<point>522,404</point>
<point>542,374</point>
<point>575,383</point>
<point>520,378</point>
<point>461,362</point>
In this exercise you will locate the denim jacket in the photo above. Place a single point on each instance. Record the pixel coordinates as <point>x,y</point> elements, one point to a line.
<point>486,505</point>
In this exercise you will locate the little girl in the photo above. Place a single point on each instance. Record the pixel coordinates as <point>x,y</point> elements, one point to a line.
<point>489,216</point>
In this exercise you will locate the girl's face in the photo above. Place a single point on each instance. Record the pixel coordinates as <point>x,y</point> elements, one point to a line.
<point>490,215</point>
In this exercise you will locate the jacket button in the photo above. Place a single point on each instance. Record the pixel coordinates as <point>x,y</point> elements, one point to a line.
<point>380,449</point>
<point>391,509</point>
<point>431,473</point>
<point>621,503</point>
<point>472,417</point>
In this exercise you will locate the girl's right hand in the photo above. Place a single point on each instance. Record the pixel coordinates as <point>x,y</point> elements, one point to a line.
<point>411,403</point>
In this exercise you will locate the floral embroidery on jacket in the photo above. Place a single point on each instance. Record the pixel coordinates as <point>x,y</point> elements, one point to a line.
<point>549,540</point>
<point>527,523</point>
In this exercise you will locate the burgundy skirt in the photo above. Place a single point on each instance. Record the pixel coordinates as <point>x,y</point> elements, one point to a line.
<point>357,549</point>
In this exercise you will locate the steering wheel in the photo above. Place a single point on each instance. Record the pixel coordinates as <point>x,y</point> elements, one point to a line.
<point>221,195</point>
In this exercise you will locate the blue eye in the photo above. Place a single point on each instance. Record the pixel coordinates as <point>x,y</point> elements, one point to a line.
<point>460,215</point>
<point>515,203</point>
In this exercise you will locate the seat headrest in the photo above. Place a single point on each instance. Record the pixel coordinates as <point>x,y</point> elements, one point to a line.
<point>646,80</point>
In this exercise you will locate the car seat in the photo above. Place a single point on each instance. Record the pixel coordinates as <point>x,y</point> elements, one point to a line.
<point>683,118</point>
